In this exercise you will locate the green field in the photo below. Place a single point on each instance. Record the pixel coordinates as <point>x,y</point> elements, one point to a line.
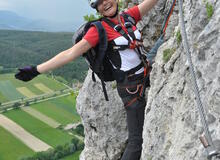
<point>2,98</point>
<point>11,148</point>
<point>49,135</point>
<point>43,88</point>
<point>9,91</point>
<point>75,156</point>
<point>62,110</point>
<point>26,92</point>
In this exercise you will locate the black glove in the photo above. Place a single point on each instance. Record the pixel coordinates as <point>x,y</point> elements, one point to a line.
<point>27,73</point>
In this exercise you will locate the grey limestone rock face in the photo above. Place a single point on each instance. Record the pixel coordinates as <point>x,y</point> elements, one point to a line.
<point>172,127</point>
<point>104,122</point>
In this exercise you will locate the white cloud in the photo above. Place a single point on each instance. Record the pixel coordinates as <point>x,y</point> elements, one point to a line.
<point>4,5</point>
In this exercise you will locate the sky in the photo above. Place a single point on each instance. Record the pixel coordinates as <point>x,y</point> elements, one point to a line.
<point>53,10</point>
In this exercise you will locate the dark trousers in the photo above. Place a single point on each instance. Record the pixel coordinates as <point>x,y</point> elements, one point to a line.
<point>129,91</point>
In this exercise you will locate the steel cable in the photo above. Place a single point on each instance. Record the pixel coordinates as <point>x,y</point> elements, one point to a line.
<point>211,150</point>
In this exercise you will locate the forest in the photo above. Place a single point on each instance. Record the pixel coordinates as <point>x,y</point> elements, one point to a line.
<point>22,48</point>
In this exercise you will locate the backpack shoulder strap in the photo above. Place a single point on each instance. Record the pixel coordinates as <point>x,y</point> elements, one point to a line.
<point>102,45</point>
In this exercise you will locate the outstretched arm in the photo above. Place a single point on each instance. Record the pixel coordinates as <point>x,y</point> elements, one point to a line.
<point>29,72</point>
<point>146,6</point>
<point>64,57</point>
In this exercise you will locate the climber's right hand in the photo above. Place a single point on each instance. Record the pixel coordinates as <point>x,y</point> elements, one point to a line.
<point>27,73</point>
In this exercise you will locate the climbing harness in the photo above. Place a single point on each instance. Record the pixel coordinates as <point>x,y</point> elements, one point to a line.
<point>143,55</point>
<point>206,139</point>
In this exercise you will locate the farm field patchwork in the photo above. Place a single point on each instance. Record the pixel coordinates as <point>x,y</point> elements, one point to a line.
<point>16,83</point>
<point>49,135</point>
<point>40,120</point>
<point>62,110</point>
<point>50,83</point>
<point>10,144</point>
<point>32,142</point>
<point>8,85</point>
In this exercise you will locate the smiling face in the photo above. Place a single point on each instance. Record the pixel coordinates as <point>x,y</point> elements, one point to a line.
<point>107,8</point>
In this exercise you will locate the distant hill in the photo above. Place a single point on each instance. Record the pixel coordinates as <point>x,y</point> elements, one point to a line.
<point>12,21</point>
<point>21,48</point>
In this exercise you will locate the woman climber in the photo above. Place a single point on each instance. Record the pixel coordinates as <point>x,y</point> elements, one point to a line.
<point>129,61</point>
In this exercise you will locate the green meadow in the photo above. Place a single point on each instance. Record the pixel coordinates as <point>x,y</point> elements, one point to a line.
<point>9,91</point>
<point>3,98</point>
<point>49,135</point>
<point>11,148</point>
<point>62,110</point>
